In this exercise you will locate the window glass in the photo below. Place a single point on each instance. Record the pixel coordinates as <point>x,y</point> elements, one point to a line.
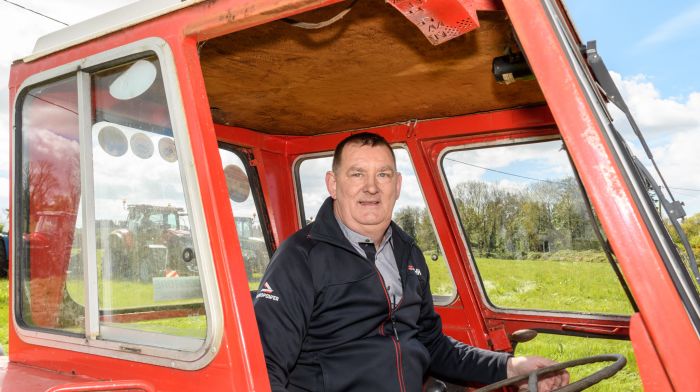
<point>410,212</point>
<point>563,348</point>
<point>147,268</point>
<point>528,230</point>
<point>312,185</point>
<point>48,246</point>
<point>246,212</point>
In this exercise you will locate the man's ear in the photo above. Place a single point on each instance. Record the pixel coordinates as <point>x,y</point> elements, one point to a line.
<point>330,183</point>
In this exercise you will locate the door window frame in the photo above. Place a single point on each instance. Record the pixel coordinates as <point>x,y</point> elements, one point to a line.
<point>610,326</point>
<point>201,354</point>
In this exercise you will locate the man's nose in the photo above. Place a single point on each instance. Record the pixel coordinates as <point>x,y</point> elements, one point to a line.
<point>371,185</point>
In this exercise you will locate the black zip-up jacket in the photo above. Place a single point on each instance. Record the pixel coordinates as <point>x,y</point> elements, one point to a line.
<point>327,324</point>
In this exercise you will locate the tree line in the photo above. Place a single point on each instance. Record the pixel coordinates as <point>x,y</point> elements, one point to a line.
<point>540,219</point>
<point>691,227</point>
<point>513,223</point>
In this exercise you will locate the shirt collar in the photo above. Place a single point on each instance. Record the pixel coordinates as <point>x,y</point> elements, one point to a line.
<point>355,237</point>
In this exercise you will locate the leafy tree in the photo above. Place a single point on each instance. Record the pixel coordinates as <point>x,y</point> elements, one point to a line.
<point>408,218</point>
<point>543,217</point>
<point>426,234</point>
<point>691,227</point>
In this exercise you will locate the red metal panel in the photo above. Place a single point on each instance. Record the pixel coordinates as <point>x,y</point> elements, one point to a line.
<point>105,386</point>
<point>246,370</point>
<point>18,377</point>
<point>665,317</point>
<point>654,378</point>
<point>276,179</point>
<point>468,317</point>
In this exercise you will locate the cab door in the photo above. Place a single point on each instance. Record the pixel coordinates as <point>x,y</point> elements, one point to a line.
<point>665,297</point>
<point>530,247</point>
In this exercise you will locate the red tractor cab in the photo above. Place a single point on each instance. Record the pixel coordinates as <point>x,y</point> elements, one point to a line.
<point>535,216</point>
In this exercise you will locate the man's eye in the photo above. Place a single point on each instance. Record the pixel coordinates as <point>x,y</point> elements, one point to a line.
<point>385,175</point>
<point>356,174</point>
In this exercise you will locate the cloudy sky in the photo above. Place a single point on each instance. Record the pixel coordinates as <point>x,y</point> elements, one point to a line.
<point>649,46</point>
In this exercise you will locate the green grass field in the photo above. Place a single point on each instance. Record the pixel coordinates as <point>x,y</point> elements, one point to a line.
<point>565,286</point>
<point>124,294</point>
<point>4,312</point>
<point>555,285</point>
<point>531,284</point>
<point>573,286</point>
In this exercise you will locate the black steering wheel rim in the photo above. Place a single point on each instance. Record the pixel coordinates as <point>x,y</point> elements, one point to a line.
<point>618,360</point>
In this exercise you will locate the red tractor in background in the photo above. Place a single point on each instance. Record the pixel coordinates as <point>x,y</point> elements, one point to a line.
<point>154,241</point>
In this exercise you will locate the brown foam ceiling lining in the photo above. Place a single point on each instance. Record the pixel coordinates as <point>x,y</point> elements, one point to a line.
<point>371,68</point>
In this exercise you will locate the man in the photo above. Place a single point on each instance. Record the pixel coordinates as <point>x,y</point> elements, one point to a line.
<point>345,303</point>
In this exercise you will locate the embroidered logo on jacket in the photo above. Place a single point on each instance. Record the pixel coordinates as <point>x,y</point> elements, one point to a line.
<point>414,269</point>
<point>266,292</point>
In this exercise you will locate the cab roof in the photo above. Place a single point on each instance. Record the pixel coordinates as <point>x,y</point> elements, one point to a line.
<point>371,68</point>
<point>109,22</point>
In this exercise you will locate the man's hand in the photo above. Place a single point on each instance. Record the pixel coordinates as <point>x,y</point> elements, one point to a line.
<point>522,365</point>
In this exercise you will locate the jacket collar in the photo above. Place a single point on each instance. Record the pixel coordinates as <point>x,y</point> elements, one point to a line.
<point>325,228</point>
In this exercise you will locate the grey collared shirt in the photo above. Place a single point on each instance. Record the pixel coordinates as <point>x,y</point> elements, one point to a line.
<point>384,260</point>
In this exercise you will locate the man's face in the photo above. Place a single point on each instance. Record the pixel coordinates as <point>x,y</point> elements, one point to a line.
<point>365,187</point>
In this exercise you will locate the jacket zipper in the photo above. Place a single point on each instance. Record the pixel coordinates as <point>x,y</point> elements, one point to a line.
<point>391,317</point>
<point>395,338</point>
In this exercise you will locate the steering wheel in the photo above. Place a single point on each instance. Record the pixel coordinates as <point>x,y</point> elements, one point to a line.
<point>618,363</point>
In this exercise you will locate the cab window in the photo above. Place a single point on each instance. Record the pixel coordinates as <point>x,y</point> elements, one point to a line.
<point>114,177</point>
<point>529,233</point>
<point>49,247</point>
<point>410,213</point>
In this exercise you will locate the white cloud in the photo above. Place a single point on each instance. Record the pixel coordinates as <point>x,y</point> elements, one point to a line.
<point>21,29</point>
<point>411,194</point>
<point>655,115</point>
<point>672,129</point>
<point>312,181</point>
<point>514,186</point>
<point>520,164</point>
<point>679,25</point>
<point>679,160</point>
<point>4,190</point>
